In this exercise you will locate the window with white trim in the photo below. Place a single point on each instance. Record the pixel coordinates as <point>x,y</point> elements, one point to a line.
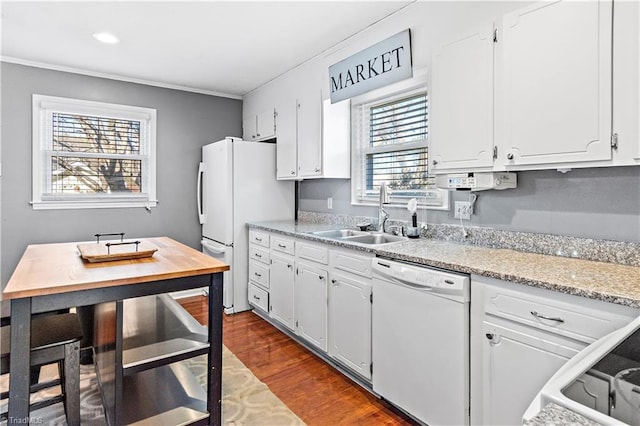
<point>392,146</point>
<point>92,155</point>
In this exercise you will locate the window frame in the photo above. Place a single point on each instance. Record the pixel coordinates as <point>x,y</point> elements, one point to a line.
<point>42,143</point>
<point>360,146</point>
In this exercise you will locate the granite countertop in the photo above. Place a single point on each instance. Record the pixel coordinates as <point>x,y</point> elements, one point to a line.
<point>609,282</point>
<point>556,415</point>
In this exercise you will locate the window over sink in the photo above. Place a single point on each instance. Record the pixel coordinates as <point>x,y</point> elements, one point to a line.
<point>92,155</point>
<point>391,133</point>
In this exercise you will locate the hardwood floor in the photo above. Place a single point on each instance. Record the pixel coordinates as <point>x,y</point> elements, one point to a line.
<point>315,391</point>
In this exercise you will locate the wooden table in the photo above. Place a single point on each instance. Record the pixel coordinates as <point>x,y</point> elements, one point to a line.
<point>53,276</point>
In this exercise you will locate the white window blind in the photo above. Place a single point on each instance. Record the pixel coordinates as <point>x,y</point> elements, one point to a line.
<point>91,154</point>
<point>397,151</point>
<point>392,147</point>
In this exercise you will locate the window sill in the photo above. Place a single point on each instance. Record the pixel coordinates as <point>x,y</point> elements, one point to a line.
<point>94,204</point>
<point>368,203</point>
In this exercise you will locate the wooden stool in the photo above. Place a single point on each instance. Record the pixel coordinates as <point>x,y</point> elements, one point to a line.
<point>54,338</point>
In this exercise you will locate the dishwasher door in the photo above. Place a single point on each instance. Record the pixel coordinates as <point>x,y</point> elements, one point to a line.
<point>421,349</point>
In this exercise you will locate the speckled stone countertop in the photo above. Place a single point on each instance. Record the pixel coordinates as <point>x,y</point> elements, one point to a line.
<point>556,415</point>
<point>596,280</point>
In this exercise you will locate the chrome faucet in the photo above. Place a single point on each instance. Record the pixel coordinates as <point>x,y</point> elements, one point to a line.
<point>385,195</point>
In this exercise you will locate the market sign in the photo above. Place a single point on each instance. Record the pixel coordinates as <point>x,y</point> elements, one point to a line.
<point>379,65</point>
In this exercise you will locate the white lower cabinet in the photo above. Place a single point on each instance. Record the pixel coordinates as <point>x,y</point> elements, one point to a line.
<point>516,364</point>
<point>281,289</point>
<point>520,336</point>
<point>350,321</point>
<point>321,294</point>
<point>311,304</point>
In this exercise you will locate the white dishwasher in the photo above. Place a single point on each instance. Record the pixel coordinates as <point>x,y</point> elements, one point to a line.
<point>420,341</point>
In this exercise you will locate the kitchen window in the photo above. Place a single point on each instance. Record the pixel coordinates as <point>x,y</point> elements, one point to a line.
<point>392,134</point>
<point>92,155</point>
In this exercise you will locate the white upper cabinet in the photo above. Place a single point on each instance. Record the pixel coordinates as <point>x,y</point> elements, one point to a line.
<point>313,141</point>
<point>556,83</point>
<point>249,128</point>
<point>287,143</point>
<point>261,126</point>
<point>461,131</point>
<point>309,133</point>
<point>537,92</point>
<point>626,82</point>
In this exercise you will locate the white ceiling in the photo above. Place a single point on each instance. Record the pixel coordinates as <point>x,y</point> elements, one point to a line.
<point>218,47</point>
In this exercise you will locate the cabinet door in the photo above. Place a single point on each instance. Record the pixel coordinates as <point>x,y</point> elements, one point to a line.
<point>311,304</point>
<point>286,143</point>
<point>516,365</point>
<point>249,128</point>
<point>350,322</point>
<point>281,289</point>
<point>462,104</point>
<point>266,125</point>
<point>557,83</point>
<point>310,134</point>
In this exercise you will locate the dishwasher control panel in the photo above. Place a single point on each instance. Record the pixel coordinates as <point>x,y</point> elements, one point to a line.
<point>422,277</point>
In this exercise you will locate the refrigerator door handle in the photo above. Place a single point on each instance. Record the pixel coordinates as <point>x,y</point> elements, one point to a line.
<point>202,217</point>
<point>213,248</point>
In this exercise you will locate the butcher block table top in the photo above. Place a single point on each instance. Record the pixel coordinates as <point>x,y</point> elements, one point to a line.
<point>46,269</point>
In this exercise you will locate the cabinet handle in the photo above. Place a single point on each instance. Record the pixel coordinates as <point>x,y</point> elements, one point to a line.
<point>256,297</point>
<point>334,282</point>
<point>282,246</point>
<point>258,255</point>
<point>257,274</point>
<point>538,316</point>
<point>258,134</point>
<point>434,162</point>
<point>321,277</point>
<point>510,156</point>
<point>317,170</point>
<point>293,172</point>
<point>258,239</point>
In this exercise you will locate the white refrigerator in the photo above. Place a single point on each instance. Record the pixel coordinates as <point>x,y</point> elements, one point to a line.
<point>237,184</point>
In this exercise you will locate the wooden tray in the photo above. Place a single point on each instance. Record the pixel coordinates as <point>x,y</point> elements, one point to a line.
<point>99,252</point>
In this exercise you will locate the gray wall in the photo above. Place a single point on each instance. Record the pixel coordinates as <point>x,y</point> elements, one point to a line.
<point>600,203</point>
<point>185,122</point>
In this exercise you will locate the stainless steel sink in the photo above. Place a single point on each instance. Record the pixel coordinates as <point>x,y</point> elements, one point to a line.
<point>340,233</point>
<point>362,237</point>
<point>377,238</point>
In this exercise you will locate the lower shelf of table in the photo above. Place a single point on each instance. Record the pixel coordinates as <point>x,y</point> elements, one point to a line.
<point>165,395</point>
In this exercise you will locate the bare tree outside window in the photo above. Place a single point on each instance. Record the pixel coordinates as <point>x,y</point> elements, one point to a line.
<point>93,155</point>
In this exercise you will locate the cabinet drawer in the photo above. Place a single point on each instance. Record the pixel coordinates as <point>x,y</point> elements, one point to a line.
<point>351,262</point>
<point>260,238</point>
<point>285,245</point>
<point>258,297</point>
<point>259,273</point>
<point>259,254</point>
<point>572,316</point>
<point>314,252</point>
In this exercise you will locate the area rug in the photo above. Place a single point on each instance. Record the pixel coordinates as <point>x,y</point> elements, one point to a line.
<point>245,399</point>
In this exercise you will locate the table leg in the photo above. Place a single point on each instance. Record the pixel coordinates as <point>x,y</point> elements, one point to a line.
<point>214,391</point>
<point>20,358</point>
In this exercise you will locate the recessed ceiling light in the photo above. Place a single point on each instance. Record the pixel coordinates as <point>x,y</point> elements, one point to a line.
<point>106,38</point>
